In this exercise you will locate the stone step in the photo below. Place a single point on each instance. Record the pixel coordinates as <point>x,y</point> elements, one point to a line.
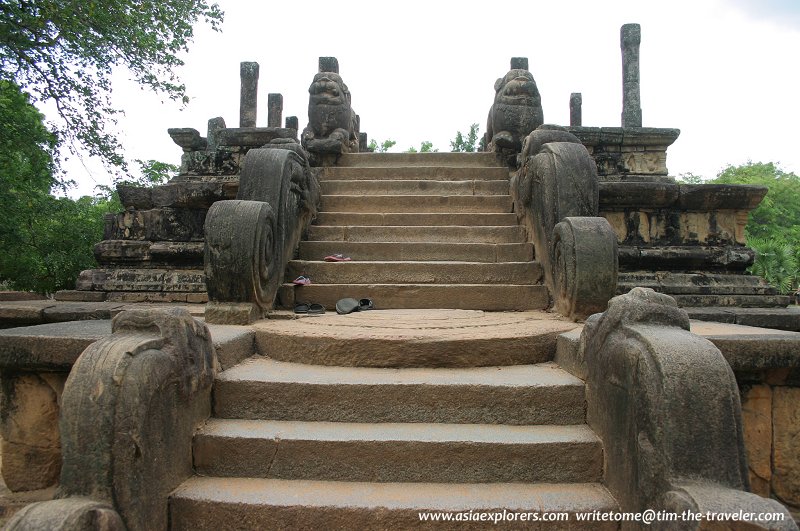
<point>452,234</point>
<point>187,255</point>
<point>420,187</point>
<point>396,272</point>
<point>439,173</point>
<point>201,504</point>
<point>438,219</point>
<point>262,388</point>
<point>740,301</point>
<point>480,160</point>
<point>419,251</point>
<point>144,279</point>
<point>490,297</point>
<point>413,338</point>
<point>696,283</point>
<point>397,452</point>
<point>381,204</point>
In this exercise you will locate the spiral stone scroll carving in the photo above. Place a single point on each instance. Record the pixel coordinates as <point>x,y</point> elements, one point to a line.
<point>250,240</point>
<point>585,265</point>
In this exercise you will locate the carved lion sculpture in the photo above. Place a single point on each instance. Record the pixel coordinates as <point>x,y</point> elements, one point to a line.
<point>331,120</point>
<point>517,110</point>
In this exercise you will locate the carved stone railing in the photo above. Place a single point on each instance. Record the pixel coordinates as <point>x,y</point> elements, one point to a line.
<point>250,240</point>
<point>555,193</point>
<point>128,414</point>
<point>666,405</point>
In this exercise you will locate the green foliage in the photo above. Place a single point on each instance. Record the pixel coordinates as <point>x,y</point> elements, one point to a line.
<point>690,178</point>
<point>26,146</point>
<point>45,240</point>
<point>425,147</point>
<point>50,242</point>
<point>778,215</point>
<point>466,145</point>
<point>64,51</point>
<point>773,229</point>
<point>383,147</point>
<point>777,261</point>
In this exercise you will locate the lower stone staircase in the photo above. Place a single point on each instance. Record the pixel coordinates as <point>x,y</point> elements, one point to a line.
<point>370,419</point>
<point>428,230</point>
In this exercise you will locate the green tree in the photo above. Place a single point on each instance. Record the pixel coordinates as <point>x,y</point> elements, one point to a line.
<point>64,51</point>
<point>690,178</point>
<point>383,147</point>
<point>778,215</point>
<point>45,241</point>
<point>468,144</point>
<point>773,228</point>
<point>424,147</point>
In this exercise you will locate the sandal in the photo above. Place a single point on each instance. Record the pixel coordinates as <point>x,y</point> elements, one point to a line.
<point>301,281</point>
<point>364,305</point>
<point>345,306</point>
<point>337,258</point>
<point>316,309</point>
<point>302,307</point>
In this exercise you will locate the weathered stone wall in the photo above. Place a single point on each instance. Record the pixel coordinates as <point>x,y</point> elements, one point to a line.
<point>670,226</point>
<point>771,423</point>
<point>629,153</point>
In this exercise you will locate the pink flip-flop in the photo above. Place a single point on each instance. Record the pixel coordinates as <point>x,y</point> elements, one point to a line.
<point>337,258</point>
<point>301,281</point>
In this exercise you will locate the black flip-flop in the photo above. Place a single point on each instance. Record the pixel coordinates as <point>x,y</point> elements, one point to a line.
<point>302,307</point>
<point>316,309</point>
<point>365,304</point>
<point>345,306</point>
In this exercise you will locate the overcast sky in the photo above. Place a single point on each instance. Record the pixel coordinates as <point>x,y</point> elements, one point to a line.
<point>725,72</point>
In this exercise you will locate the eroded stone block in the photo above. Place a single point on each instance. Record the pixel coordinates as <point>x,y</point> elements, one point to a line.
<point>786,441</point>
<point>757,427</point>
<point>31,445</point>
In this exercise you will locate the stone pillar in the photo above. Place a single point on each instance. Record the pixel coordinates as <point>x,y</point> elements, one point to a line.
<point>248,99</point>
<point>575,112</point>
<point>329,64</point>
<point>630,38</point>
<point>362,142</point>
<point>292,122</point>
<point>214,126</point>
<point>519,63</point>
<point>274,110</point>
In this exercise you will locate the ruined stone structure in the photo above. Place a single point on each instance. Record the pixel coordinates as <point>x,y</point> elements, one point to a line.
<point>368,419</point>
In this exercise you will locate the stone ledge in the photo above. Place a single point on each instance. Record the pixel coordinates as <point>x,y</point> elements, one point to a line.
<point>746,348</point>
<point>56,346</point>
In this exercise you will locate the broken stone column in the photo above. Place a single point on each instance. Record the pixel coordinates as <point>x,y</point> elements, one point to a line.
<point>292,123</point>
<point>575,112</point>
<point>274,110</point>
<point>248,99</point>
<point>215,125</point>
<point>630,38</point>
<point>519,63</point>
<point>329,64</point>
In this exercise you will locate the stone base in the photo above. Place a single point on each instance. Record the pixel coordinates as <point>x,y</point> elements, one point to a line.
<point>232,313</point>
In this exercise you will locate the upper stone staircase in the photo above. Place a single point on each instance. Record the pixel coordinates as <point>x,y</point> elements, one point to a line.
<point>426,230</point>
<point>366,420</point>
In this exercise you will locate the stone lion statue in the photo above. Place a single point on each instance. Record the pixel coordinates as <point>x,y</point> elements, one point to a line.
<point>332,125</point>
<point>517,110</point>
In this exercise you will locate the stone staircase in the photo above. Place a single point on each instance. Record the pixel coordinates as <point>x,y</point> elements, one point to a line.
<point>366,420</point>
<point>426,230</point>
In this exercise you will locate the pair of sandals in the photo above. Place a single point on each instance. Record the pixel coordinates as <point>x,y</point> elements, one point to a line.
<point>348,305</point>
<point>309,308</point>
